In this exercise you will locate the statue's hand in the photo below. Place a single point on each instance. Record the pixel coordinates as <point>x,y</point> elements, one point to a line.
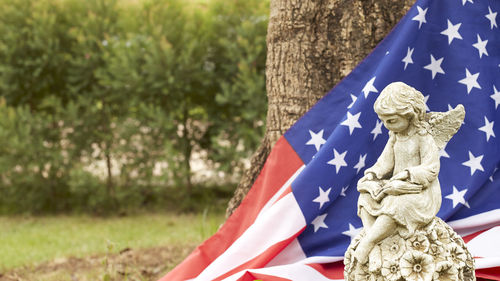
<point>399,187</point>
<point>379,196</point>
<point>403,175</point>
<point>368,177</point>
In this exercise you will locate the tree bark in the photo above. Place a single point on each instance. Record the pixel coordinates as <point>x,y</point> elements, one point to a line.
<point>311,46</point>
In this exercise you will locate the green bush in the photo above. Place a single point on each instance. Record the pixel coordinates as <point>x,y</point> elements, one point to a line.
<point>104,102</point>
<point>34,169</point>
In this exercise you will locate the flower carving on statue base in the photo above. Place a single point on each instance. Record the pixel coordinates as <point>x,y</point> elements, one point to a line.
<point>445,271</point>
<point>440,234</point>
<point>393,247</point>
<point>457,254</point>
<point>390,270</point>
<point>454,237</point>
<point>419,242</point>
<point>469,262</point>
<point>468,274</point>
<point>437,250</point>
<point>418,257</point>
<point>417,266</point>
<point>361,273</point>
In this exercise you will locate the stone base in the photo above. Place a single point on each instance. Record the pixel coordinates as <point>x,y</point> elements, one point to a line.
<point>435,252</point>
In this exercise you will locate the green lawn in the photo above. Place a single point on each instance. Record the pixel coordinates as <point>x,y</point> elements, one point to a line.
<point>26,241</point>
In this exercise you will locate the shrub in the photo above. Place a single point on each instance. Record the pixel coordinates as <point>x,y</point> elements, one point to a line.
<point>104,102</point>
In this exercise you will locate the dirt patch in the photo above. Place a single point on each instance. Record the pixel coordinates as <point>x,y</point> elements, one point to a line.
<point>128,264</point>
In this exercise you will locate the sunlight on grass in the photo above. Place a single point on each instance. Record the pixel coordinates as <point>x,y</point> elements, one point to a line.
<point>30,240</point>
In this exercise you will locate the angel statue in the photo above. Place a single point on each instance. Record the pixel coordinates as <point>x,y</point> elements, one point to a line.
<point>400,195</point>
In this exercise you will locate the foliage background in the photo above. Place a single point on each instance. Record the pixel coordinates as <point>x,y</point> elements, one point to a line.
<point>106,105</point>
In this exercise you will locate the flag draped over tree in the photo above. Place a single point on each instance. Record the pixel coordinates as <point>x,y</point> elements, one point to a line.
<point>300,216</point>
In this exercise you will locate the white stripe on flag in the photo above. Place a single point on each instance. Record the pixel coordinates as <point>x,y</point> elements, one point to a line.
<point>321,259</point>
<point>476,223</point>
<point>487,262</point>
<point>295,272</point>
<point>264,233</point>
<point>485,244</point>
<point>291,254</point>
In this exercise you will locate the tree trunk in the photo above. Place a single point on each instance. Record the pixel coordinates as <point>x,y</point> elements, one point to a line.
<point>109,182</point>
<point>187,151</point>
<point>311,46</point>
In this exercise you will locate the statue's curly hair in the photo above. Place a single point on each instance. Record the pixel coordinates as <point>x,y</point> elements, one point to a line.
<point>401,99</point>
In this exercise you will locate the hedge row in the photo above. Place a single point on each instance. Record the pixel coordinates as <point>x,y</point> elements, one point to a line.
<point>104,103</point>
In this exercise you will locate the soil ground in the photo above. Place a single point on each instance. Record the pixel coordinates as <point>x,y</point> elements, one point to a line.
<point>128,264</point>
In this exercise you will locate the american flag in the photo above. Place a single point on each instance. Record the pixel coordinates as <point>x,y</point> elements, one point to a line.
<point>300,216</point>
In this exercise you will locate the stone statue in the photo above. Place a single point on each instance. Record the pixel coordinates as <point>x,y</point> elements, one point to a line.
<point>400,195</point>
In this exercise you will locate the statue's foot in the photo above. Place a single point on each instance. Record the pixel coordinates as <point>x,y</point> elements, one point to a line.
<point>362,252</point>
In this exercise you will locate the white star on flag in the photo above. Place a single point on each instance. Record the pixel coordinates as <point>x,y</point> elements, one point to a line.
<point>369,87</point>
<point>361,163</point>
<point>426,98</point>
<point>377,130</point>
<point>492,17</point>
<point>481,46</point>
<point>496,96</point>
<point>470,80</point>
<point>420,17</point>
<point>465,1</point>
<point>352,122</point>
<point>319,222</point>
<point>316,139</point>
<point>458,197</point>
<point>488,128</point>
<point>352,232</point>
<point>407,60</point>
<point>443,153</point>
<point>474,163</point>
<point>435,66</point>
<point>344,189</point>
<point>338,160</point>
<point>452,31</point>
<point>322,197</point>
<point>354,98</point>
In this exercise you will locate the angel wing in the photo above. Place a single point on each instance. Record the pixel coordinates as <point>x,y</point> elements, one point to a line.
<point>443,125</point>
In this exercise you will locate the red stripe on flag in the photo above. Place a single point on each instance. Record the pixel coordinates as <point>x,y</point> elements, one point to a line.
<point>281,164</point>
<point>492,273</point>
<point>334,270</point>
<point>262,259</point>
<point>285,192</point>
<point>469,237</point>
<point>257,276</point>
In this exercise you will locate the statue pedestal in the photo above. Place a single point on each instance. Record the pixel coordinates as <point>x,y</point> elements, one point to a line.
<point>435,252</point>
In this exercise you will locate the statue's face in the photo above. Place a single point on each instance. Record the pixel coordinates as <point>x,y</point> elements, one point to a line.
<point>395,123</point>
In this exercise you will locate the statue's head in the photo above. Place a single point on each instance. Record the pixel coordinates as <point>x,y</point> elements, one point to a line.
<point>399,99</point>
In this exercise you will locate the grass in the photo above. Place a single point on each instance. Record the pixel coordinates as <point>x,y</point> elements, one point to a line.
<point>27,241</point>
